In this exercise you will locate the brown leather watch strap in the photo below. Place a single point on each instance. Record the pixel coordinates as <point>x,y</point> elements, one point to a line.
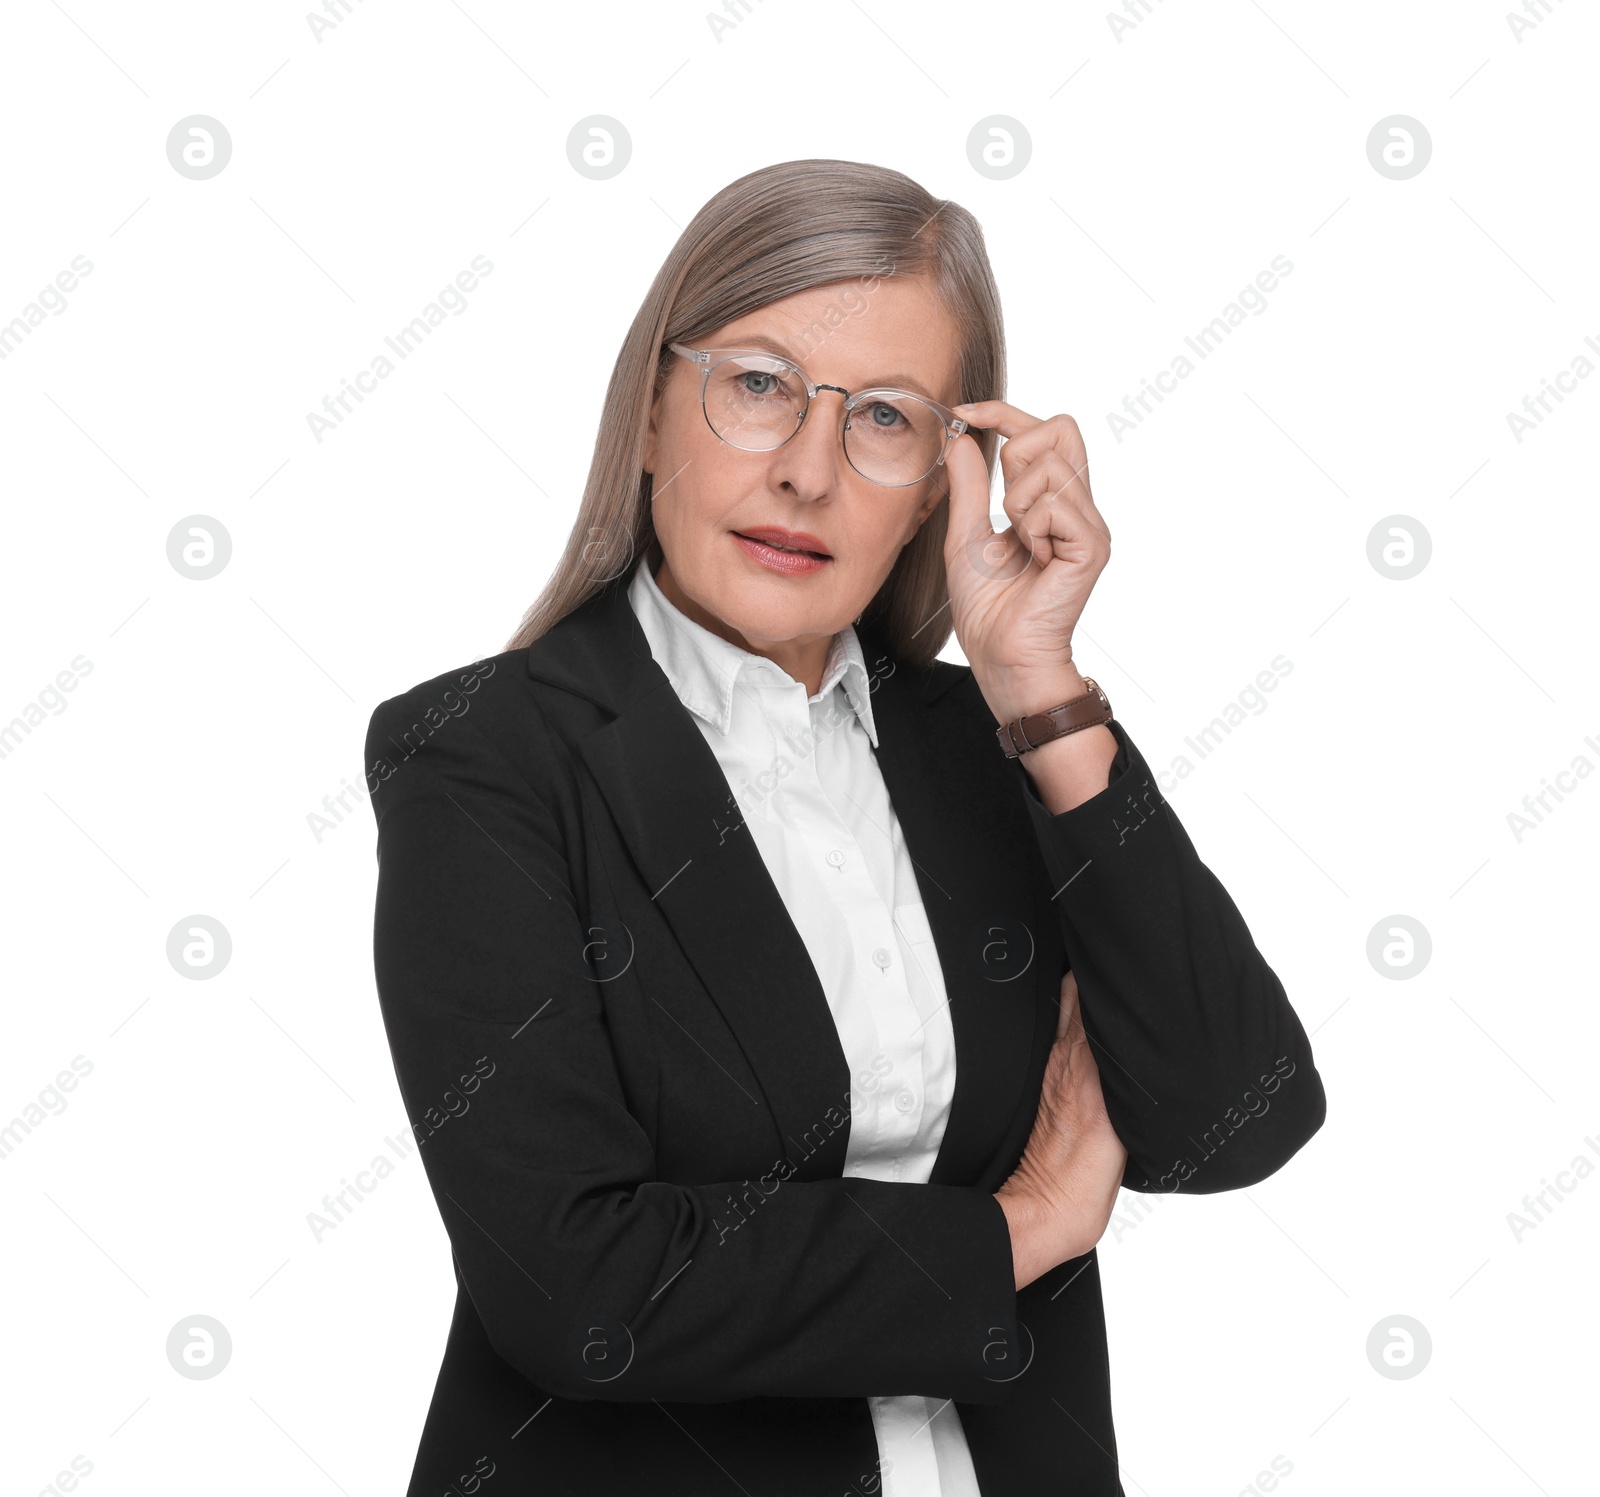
<point>1024,733</point>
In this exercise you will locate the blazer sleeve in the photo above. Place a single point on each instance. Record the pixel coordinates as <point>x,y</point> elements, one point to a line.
<point>578,1260</point>
<point>1207,1071</point>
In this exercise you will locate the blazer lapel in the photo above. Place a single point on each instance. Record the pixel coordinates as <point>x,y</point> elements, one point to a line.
<point>974,851</point>
<point>674,809</point>
<point>685,832</point>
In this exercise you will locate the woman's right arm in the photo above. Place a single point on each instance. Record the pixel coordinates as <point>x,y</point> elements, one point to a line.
<point>546,1182</point>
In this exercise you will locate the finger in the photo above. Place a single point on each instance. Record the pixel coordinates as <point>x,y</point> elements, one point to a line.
<point>1059,434</point>
<point>1009,420</point>
<point>1028,438</point>
<point>1047,501</point>
<point>1053,520</point>
<point>1068,1004</point>
<point>969,525</point>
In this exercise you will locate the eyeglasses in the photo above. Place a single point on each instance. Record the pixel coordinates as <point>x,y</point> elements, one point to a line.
<point>756,401</point>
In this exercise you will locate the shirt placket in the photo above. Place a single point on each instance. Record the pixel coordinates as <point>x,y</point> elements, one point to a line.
<point>857,870</point>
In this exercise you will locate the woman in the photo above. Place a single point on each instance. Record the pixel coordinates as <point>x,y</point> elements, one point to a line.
<point>752,977</point>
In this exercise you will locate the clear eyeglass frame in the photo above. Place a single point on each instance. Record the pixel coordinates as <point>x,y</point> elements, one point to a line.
<point>708,358</point>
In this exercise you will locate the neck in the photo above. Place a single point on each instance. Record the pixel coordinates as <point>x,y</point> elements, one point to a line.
<point>803,659</point>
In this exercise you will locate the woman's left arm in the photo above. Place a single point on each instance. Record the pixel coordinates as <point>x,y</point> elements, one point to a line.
<point>1207,1073</point>
<point>1206,1069</point>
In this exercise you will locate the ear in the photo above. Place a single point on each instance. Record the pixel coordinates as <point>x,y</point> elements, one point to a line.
<point>930,502</point>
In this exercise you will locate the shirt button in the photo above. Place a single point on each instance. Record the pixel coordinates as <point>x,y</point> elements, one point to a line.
<point>881,957</point>
<point>904,1100</point>
<point>836,858</point>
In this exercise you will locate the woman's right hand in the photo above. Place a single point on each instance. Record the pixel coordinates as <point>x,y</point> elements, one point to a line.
<point>1060,1196</point>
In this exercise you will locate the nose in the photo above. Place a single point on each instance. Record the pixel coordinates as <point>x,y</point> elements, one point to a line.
<point>810,462</point>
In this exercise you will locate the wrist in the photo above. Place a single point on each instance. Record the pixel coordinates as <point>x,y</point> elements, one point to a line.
<point>1024,1218</point>
<point>1011,695</point>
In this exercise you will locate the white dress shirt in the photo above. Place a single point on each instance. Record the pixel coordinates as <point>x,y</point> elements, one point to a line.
<point>814,799</point>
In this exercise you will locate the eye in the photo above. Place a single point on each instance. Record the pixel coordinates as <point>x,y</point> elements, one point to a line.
<point>883,415</point>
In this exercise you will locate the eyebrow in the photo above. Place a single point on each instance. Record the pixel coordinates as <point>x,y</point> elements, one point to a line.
<point>774,345</point>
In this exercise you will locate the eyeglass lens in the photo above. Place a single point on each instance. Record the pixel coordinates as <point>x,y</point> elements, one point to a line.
<point>756,403</point>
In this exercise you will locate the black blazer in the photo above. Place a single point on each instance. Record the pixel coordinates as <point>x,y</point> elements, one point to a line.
<point>632,1105</point>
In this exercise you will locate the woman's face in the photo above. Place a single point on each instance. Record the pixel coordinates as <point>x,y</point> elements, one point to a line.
<point>708,493</point>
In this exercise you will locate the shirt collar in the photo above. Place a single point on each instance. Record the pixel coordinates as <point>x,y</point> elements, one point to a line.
<point>704,668</point>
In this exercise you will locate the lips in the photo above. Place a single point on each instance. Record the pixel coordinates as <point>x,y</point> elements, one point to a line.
<point>787,540</point>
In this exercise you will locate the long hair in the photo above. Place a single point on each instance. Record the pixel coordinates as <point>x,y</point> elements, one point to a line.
<point>783,229</point>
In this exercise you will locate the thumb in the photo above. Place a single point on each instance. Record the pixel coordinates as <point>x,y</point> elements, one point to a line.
<point>969,525</point>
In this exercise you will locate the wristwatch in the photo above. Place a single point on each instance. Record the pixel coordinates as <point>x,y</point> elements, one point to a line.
<point>1024,733</point>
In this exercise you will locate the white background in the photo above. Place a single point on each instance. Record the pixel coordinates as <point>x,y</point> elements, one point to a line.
<point>1167,168</point>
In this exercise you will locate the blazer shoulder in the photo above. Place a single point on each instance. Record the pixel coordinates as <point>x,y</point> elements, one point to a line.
<point>446,690</point>
<point>491,694</point>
